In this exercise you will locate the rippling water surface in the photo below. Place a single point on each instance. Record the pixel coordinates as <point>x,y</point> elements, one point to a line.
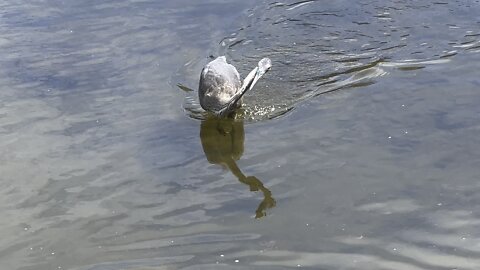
<point>358,150</point>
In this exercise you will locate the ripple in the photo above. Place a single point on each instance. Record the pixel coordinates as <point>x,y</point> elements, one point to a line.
<point>312,44</point>
<point>185,240</point>
<point>138,263</point>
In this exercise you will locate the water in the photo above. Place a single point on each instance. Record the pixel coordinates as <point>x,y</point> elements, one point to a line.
<point>105,165</point>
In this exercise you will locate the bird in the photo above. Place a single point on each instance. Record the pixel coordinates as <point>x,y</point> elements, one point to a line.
<point>220,89</point>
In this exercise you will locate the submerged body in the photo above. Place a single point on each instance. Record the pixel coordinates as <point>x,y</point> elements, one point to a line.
<point>220,90</point>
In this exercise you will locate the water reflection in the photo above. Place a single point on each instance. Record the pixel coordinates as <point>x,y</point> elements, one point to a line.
<point>223,144</point>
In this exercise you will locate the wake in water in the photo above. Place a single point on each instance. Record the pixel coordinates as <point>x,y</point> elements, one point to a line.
<point>319,47</point>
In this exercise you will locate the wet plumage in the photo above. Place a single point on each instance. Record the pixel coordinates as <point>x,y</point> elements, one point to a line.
<point>220,90</point>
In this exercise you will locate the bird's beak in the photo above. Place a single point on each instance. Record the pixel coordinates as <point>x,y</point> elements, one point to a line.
<point>264,65</point>
<point>249,82</point>
<point>251,77</point>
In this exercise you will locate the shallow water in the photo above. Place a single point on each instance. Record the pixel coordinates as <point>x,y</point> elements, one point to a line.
<point>104,164</point>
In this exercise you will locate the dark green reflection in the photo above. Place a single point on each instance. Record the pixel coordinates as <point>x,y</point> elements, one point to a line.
<point>222,141</point>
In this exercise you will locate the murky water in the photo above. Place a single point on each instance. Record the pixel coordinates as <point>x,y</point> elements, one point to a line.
<point>104,164</point>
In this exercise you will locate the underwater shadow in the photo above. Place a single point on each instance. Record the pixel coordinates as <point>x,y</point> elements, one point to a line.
<point>223,144</point>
